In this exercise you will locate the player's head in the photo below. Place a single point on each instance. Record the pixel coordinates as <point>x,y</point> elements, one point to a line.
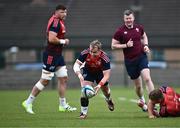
<point>95,47</point>
<point>156,95</point>
<point>61,11</point>
<point>129,18</point>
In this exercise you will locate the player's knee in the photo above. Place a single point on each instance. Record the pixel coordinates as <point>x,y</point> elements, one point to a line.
<point>63,80</point>
<point>44,82</point>
<point>147,80</point>
<point>39,85</point>
<point>62,72</point>
<point>84,101</point>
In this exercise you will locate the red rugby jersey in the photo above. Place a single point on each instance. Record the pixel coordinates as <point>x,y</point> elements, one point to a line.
<point>56,25</point>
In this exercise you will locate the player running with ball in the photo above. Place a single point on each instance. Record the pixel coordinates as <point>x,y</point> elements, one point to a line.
<point>96,69</point>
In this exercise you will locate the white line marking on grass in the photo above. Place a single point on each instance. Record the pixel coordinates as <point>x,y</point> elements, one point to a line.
<point>122,99</point>
<point>125,99</point>
<point>133,100</point>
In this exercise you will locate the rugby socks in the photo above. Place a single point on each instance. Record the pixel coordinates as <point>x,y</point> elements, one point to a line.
<point>30,99</point>
<point>84,110</point>
<point>62,102</point>
<point>84,105</point>
<point>143,99</point>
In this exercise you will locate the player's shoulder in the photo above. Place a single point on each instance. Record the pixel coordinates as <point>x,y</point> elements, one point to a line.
<point>105,57</point>
<point>85,51</point>
<point>121,28</point>
<point>139,26</point>
<point>54,20</point>
<point>166,89</point>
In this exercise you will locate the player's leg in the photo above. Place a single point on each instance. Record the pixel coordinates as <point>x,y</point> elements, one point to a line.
<point>88,80</point>
<point>147,79</point>
<point>62,75</point>
<point>139,91</point>
<point>132,68</point>
<point>107,93</point>
<point>46,76</point>
<point>145,73</point>
<point>84,101</point>
<point>38,87</point>
<point>139,88</point>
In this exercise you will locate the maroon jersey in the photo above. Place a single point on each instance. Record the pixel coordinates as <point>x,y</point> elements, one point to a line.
<point>95,64</point>
<point>56,25</point>
<point>170,106</point>
<point>124,34</point>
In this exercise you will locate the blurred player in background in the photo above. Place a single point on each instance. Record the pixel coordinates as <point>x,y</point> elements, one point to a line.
<point>168,100</point>
<point>133,40</point>
<point>53,61</point>
<point>96,69</point>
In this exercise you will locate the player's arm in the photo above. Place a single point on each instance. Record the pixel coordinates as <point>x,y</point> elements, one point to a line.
<point>106,77</point>
<point>52,38</point>
<point>77,70</point>
<point>76,67</point>
<point>151,106</point>
<point>117,45</point>
<point>53,31</point>
<point>145,43</point>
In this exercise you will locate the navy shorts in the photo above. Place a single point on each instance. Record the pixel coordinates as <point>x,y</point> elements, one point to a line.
<point>52,61</point>
<point>135,67</point>
<point>93,77</point>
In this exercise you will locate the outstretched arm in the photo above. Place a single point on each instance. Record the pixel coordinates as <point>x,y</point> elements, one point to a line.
<point>106,77</point>
<point>151,112</point>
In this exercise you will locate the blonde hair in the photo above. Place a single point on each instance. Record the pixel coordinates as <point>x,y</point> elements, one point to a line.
<point>96,43</point>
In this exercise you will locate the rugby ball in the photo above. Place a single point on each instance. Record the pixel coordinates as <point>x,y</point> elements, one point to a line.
<point>88,91</point>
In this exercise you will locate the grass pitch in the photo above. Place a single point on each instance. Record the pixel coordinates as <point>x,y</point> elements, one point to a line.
<point>126,113</point>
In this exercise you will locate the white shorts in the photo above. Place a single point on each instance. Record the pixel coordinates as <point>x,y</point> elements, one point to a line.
<point>61,72</point>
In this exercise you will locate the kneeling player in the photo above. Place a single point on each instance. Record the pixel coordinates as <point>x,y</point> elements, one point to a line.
<point>169,102</point>
<point>96,69</point>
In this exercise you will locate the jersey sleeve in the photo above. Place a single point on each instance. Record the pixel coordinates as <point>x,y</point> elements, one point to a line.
<point>55,26</point>
<point>141,29</point>
<point>117,35</point>
<point>106,62</point>
<point>82,56</point>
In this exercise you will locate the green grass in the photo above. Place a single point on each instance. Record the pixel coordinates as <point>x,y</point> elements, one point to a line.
<point>126,113</point>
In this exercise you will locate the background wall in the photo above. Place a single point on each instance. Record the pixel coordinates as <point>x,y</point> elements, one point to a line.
<point>23,26</point>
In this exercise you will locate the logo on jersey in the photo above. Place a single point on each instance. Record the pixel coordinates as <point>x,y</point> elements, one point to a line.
<point>51,67</point>
<point>84,75</point>
<point>44,66</point>
<point>125,32</point>
<point>137,29</point>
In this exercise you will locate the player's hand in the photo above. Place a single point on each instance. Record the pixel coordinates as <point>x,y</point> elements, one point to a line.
<point>97,89</point>
<point>129,43</point>
<point>152,116</point>
<point>67,41</point>
<point>146,49</point>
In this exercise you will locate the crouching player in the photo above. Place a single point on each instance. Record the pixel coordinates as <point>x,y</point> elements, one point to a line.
<point>168,100</point>
<point>96,69</point>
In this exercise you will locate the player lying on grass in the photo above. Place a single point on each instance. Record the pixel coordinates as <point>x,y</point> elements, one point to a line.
<point>96,69</point>
<point>168,100</point>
